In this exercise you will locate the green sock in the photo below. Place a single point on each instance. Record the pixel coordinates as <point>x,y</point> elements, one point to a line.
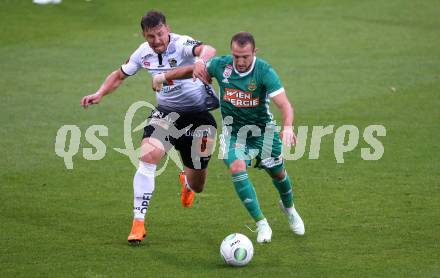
<point>284,188</point>
<point>248,197</point>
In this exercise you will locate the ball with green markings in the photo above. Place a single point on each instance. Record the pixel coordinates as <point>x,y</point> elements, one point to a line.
<point>237,250</point>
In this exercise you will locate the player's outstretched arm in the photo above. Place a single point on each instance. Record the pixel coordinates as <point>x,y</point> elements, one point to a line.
<point>184,72</point>
<point>111,83</point>
<point>287,134</point>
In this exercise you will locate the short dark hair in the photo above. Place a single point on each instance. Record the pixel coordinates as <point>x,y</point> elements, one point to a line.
<point>152,19</point>
<point>243,38</point>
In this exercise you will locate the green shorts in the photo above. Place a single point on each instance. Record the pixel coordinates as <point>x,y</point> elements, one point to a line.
<point>264,148</point>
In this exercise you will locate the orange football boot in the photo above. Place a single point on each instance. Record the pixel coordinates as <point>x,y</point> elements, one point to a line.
<point>187,196</point>
<point>137,233</point>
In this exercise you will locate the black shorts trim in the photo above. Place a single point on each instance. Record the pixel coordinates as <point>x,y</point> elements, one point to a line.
<point>194,48</point>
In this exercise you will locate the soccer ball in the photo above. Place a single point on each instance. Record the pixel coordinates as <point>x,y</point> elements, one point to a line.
<point>237,249</point>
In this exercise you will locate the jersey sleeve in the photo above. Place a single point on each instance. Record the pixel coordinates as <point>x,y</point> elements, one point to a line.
<point>272,83</point>
<point>188,46</point>
<point>212,66</point>
<point>133,64</point>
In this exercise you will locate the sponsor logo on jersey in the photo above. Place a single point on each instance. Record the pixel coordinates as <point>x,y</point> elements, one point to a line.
<point>191,42</point>
<point>172,62</point>
<point>252,85</point>
<point>240,99</point>
<point>170,89</point>
<point>227,73</point>
<point>145,61</point>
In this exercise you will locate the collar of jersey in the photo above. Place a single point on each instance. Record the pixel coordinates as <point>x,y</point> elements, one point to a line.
<point>242,74</point>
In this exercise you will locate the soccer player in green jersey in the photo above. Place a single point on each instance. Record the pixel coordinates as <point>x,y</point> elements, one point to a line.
<point>247,84</point>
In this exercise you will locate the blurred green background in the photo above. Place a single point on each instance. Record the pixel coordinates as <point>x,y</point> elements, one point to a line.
<point>341,62</point>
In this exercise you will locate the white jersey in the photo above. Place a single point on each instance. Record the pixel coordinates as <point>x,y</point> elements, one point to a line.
<point>183,95</point>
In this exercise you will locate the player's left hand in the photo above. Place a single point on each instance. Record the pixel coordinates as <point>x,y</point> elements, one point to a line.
<point>288,136</point>
<point>201,73</point>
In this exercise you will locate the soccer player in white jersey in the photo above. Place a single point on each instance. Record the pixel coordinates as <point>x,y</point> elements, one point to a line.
<point>181,105</point>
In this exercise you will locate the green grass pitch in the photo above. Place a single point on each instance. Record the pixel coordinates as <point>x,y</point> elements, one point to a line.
<point>341,62</point>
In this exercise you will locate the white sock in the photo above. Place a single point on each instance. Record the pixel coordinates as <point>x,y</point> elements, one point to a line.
<point>262,221</point>
<point>143,187</point>
<point>290,210</point>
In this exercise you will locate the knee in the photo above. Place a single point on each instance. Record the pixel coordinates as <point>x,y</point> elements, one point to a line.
<point>237,166</point>
<point>150,158</point>
<point>151,151</point>
<point>196,180</point>
<point>278,176</point>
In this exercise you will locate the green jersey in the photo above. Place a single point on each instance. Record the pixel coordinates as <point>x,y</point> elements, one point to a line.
<point>245,96</point>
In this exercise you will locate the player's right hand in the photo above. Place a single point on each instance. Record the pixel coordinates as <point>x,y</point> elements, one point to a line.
<point>157,82</point>
<point>91,99</point>
<point>288,136</point>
